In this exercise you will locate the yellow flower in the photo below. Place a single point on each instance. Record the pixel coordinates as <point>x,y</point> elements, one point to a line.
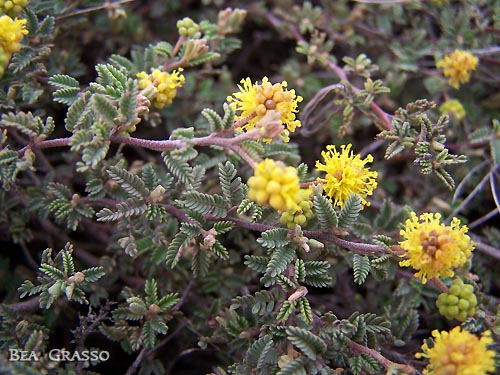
<point>165,83</point>
<point>345,174</point>
<point>458,353</point>
<point>12,7</point>
<point>12,32</point>
<point>274,184</point>
<point>434,249</point>
<point>453,107</point>
<point>257,99</point>
<point>458,66</point>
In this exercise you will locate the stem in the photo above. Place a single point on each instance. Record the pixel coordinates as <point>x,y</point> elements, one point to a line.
<point>406,369</point>
<point>439,284</point>
<point>26,306</point>
<point>92,9</point>
<point>382,115</point>
<point>155,145</point>
<point>168,64</point>
<point>243,121</point>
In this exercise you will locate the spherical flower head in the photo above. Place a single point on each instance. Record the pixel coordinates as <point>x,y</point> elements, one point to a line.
<point>453,107</point>
<point>12,7</point>
<point>256,99</point>
<point>346,174</point>
<point>435,249</point>
<point>458,66</point>
<point>458,353</point>
<point>12,32</point>
<point>165,83</point>
<point>274,184</point>
<point>187,27</point>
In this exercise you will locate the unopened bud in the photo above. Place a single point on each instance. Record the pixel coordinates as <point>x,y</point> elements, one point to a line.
<point>315,244</point>
<point>154,308</point>
<point>79,277</point>
<point>270,126</point>
<point>157,194</point>
<point>300,292</point>
<point>74,200</point>
<point>209,238</point>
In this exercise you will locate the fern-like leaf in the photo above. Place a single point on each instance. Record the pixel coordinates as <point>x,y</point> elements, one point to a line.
<point>280,258</point>
<point>361,268</point>
<point>309,344</point>
<point>68,88</point>
<point>258,351</point>
<point>327,217</point>
<point>350,211</point>
<point>129,182</point>
<point>204,204</point>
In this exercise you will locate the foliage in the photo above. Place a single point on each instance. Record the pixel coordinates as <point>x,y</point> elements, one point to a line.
<point>170,259</point>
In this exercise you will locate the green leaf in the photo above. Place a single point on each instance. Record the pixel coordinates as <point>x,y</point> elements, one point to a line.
<point>200,263</point>
<point>327,217</point>
<point>280,258</point>
<point>149,335</point>
<point>257,353</point>
<point>213,119</point>
<point>129,182</point>
<point>220,250</point>
<point>305,310</point>
<point>228,119</point>
<point>361,268</point>
<point>286,310</point>
<point>205,204</point>
<point>93,273</point>
<point>350,211</point>
<point>7,156</point>
<point>151,290</point>
<point>355,364</point>
<point>178,168</point>
<point>168,301</point>
<point>26,123</point>
<point>231,188</point>
<point>256,262</point>
<point>130,207</point>
<point>274,238</point>
<point>174,249</point>
<point>104,109</point>
<point>223,226</point>
<point>128,103</point>
<point>52,271</point>
<point>77,114</point>
<point>294,367</point>
<point>309,344</point>
<point>68,264</point>
<point>68,88</point>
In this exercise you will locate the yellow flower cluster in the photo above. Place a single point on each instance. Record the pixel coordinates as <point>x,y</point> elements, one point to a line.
<point>458,66</point>
<point>453,107</point>
<point>12,7</point>
<point>12,32</point>
<point>458,353</point>
<point>346,174</point>
<point>165,83</point>
<point>256,99</point>
<point>275,184</point>
<point>432,248</point>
